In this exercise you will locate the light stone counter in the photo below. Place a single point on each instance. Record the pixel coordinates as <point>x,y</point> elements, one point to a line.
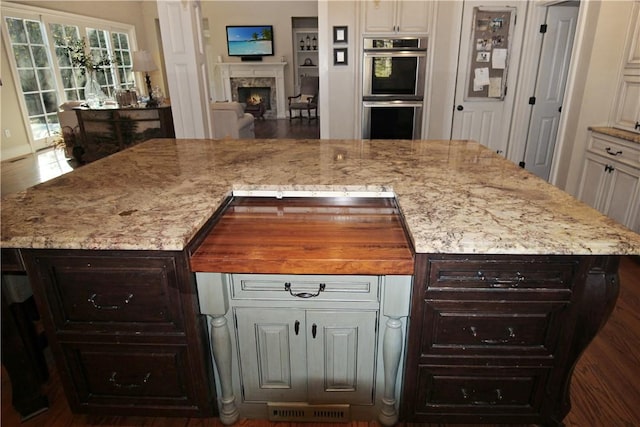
<point>456,196</point>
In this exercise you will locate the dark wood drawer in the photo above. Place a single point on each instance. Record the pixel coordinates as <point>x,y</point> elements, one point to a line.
<point>102,294</point>
<point>491,328</point>
<point>475,278</point>
<point>480,391</point>
<point>134,376</point>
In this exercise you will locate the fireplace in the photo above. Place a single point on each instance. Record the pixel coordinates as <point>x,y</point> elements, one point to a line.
<point>258,74</point>
<point>256,98</point>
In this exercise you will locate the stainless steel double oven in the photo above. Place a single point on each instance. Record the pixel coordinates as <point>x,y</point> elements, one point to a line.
<point>393,84</point>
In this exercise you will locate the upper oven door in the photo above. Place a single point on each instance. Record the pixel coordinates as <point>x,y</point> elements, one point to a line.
<point>393,74</point>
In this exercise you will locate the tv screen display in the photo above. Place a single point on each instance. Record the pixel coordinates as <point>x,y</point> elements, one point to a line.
<point>250,40</point>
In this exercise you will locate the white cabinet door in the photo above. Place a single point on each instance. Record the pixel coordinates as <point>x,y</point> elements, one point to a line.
<point>612,188</point>
<point>315,356</point>
<point>621,194</point>
<point>414,16</point>
<point>271,344</point>
<point>633,38</point>
<point>341,356</point>
<point>627,113</point>
<point>393,16</point>
<point>594,175</point>
<point>380,16</point>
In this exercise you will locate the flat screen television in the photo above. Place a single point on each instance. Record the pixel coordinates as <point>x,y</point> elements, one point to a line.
<point>250,41</point>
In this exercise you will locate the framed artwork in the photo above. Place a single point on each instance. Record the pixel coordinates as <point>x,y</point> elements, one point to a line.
<point>340,35</point>
<point>340,56</point>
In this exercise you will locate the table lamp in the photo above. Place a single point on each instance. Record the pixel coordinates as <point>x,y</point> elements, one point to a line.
<point>143,62</point>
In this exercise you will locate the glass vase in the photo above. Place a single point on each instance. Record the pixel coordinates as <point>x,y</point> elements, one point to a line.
<point>93,94</point>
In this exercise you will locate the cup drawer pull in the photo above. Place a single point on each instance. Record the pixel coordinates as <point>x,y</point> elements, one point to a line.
<point>498,282</point>
<point>287,287</point>
<point>114,381</point>
<point>470,396</point>
<point>512,334</point>
<point>92,300</point>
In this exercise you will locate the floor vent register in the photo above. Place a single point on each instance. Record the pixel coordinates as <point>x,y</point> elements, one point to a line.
<point>306,412</point>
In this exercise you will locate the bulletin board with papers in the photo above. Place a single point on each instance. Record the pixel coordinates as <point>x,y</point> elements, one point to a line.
<point>489,52</point>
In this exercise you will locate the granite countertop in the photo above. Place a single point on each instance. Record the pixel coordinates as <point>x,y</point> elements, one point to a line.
<point>618,133</point>
<point>456,196</point>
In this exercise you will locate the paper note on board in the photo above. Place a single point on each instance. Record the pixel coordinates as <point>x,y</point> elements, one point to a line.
<point>499,59</point>
<point>495,87</point>
<point>481,77</point>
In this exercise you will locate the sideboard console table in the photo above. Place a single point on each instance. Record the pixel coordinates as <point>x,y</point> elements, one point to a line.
<point>107,131</point>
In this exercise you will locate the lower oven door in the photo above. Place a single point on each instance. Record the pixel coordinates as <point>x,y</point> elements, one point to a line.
<point>392,120</point>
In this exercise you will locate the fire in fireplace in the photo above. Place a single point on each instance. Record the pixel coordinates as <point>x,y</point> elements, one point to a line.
<point>255,95</point>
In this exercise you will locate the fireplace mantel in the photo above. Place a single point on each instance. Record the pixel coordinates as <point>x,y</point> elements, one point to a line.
<point>229,70</point>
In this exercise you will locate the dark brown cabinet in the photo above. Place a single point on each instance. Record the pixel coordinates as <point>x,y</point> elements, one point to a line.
<point>107,131</point>
<point>125,330</point>
<point>494,339</point>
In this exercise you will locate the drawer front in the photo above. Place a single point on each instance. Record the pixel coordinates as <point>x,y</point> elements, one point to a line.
<point>452,328</point>
<point>480,391</point>
<point>304,287</point>
<point>615,149</point>
<point>135,376</point>
<point>469,278</point>
<point>139,114</point>
<point>112,294</point>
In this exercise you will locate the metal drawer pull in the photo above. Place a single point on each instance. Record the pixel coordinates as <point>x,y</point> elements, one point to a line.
<point>296,327</point>
<point>314,330</point>
<point>287,287</point>
<point>510,330</point>
<point>92,300</point>
<point>115,382</point>
<point>612,153</point>
<point>504,283</point>
<point>498,392</point>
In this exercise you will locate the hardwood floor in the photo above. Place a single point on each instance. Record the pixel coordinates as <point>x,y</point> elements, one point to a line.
<point>605,388</point>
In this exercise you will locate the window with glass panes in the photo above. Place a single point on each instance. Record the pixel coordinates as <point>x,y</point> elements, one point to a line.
<point>35,71</point>
<point>44,70</point>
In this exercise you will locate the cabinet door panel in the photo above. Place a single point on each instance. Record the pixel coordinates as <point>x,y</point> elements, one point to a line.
<point>592,183</point>
<point>272,354</point>
<point>379,16</point>
<point>414,16</point>
<point>623,194</point>
<point>628,107</point>
<point>341,356</point>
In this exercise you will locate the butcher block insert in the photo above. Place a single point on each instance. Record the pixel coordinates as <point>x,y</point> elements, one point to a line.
<point>307,235</point>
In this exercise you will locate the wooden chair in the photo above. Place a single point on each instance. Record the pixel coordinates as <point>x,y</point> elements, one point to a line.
<point>307,99</point>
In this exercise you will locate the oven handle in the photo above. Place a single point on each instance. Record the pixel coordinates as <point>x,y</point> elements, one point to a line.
<point>394,53</point>
<point>374,104</point>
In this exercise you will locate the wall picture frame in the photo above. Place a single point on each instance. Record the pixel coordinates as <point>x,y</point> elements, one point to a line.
<point>340,56</point>
<point>340,34</point>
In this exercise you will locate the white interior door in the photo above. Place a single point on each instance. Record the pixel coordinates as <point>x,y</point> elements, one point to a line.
<point>483,111</point>
<point>555,58</point>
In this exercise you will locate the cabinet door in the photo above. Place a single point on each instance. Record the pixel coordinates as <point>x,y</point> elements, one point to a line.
<point>380,16</point>
<point>628,106</point>
<point>414,16</point>
<point>620,199</point>
<point>633,38</point>
<point>341,353</point>
<point>593,179</point>
<point>271,347</point>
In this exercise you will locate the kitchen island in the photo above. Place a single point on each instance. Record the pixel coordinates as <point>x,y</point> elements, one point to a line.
<point>489,238</point>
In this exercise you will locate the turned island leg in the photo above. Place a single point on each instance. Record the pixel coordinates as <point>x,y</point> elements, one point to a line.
<point>221,346</point>
<point>391,351</point>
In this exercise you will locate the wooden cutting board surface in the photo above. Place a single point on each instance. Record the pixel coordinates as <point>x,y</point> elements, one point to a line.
<point>310,235</point>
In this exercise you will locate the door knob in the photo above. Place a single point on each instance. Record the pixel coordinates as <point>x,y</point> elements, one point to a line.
<point>459,108</point>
